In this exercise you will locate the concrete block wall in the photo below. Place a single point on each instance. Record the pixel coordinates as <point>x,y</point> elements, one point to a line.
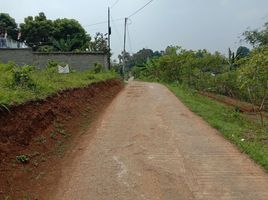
<point>77,61</point>
<point>19,56</point>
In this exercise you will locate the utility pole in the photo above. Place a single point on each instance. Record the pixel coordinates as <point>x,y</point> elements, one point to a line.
<point>124,51</point>
<point>109,39</point>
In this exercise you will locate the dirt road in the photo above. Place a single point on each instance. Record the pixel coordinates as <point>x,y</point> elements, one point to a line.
<point>149,146</point>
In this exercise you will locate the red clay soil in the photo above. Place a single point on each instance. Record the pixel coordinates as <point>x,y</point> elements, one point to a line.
<point>243,106</point>
<point>43,131</point>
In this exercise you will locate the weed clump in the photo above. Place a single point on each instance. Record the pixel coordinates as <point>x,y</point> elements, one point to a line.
<point>21,77</point>
<point>98,68</point>
<point>23,159</point>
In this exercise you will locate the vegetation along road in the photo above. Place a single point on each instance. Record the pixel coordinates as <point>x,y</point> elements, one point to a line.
<point>148,145</point>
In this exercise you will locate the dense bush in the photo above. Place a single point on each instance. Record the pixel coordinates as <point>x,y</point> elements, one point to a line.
<point>98,68</point>
<point>204,71</point>
<point>21,77</point>
<point>253,76</point>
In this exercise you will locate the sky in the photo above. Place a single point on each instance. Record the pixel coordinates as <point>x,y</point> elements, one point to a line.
<point>215,25</point>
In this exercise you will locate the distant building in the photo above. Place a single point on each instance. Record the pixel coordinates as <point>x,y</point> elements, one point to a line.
<point>6,42</point>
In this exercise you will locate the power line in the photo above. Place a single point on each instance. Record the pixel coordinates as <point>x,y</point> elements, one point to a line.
<point>96,29</point>
<point>116,30</point>
<point>103,22</point>
<point>114,4</point>
<point>98,23</point>
<point>140,9</point>
<point>127,27</point>
<point>120,19</point>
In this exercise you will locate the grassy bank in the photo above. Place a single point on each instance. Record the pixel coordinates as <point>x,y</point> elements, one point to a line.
<point>18,85</point>
<point>249,136</point>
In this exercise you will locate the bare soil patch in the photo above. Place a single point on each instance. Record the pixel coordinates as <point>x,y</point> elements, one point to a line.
<point>42,131</point>
<point>243,107</point>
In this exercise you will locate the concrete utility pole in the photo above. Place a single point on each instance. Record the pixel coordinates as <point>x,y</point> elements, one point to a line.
<point>124,51</point>
<point>109,39</point>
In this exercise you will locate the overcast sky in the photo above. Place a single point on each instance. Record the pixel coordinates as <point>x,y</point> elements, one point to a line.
<point>192,24</point>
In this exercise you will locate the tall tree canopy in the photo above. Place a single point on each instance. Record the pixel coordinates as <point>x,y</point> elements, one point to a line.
<point>8,24</point>
<point>242,52</point>
<point>139,58</point>
<point>99,44</point>
<point>70,29</point>
<point>257,37</point>
<point>39,32</point>
<point>142,56</point>
<point>36,31</point>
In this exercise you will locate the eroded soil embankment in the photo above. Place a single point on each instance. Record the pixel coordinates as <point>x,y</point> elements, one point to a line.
<point>42,131</point>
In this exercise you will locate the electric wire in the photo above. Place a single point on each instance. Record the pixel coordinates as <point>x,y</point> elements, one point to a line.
<point>137,11</point>
<point>114,4</point>
<point>116,30</point>
<point>96,29</point>
<point>121,19</point>
<point>103,22</point>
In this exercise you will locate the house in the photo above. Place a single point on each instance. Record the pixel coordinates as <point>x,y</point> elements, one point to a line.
<point>6,42</point>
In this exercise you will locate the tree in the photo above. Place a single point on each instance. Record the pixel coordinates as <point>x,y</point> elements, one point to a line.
<point>233,58</point>
<point>242,52</point>
<point>70,32</point>
<point>8,24</point>
<point>65,45</point>
<point>142,56</point>
<point>253,78</point>
<point>257,37</point>
<point>36,31</point>
<point>208,62</point>
<point>60,34</point>
<point>99,44</point>
<point>121,58</point>
<point>139,58</point>
<point>172,50</point>
<point>127,58</point>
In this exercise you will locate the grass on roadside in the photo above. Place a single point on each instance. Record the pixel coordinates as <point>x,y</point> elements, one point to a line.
<point>250,137</point>
<point>46,82</point>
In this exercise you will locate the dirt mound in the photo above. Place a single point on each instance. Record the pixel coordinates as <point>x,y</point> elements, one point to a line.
<point>242,106</point>
<point>33,136</point>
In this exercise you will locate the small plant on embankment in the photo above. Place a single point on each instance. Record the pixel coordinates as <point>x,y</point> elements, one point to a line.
<point>7,198</point>
<point>98,68</point>
<point>3,107</point>
<point>23,159</point>
<point>20,84</point>
<point>21,77</point>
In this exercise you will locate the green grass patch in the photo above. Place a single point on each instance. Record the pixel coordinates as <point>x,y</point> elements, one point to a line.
<point>249,136</point>
<point>21,84</point>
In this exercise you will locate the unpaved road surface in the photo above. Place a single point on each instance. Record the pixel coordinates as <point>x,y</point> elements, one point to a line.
<point>149,146</point>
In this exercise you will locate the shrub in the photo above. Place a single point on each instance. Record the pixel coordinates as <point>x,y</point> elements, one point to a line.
<point>98,68</point>
<point>46,49</point>
<point>7,67</point>
<point>52,64</point>
<point>21,77</point>
<point>91,77</point>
